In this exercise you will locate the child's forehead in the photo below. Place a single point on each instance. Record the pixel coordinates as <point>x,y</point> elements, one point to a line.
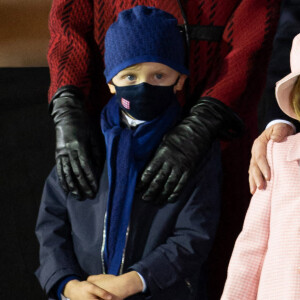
<point>154,66</point>
<point>135,67</point>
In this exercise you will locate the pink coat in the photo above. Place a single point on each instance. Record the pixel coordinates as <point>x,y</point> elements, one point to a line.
<point>265,262</point>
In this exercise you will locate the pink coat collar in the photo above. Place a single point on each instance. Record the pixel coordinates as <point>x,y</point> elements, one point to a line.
<point>294,148</point>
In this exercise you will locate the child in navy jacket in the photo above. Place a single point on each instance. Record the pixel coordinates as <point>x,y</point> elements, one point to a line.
<point>115,245</point>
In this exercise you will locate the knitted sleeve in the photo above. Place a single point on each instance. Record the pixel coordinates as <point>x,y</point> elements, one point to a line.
<point>246,43</point>
<point>69,54</point>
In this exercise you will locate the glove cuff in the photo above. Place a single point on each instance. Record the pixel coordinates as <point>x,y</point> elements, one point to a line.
<point>67,107</point>
<point>228,124</point>
<point>67,91</point>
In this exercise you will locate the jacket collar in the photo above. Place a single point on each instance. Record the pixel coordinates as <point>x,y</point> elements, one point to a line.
<point>294,148</point>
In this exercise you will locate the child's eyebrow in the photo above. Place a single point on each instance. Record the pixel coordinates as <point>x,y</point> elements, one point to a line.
<point>160,71</point>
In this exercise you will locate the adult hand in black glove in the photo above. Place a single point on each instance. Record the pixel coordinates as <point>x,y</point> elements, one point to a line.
<point>78,152</point>
<point>184,147</point>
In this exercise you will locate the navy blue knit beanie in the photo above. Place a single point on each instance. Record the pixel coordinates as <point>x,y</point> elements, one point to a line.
<point>143,34</point>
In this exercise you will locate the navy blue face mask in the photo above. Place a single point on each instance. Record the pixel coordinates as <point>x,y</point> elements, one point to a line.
<point>145,101</point>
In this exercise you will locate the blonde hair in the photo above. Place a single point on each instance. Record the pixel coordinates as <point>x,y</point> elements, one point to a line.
<point>295,98</point>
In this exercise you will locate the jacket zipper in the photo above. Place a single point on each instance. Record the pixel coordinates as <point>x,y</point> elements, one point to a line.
<point>103,247</point>
<point>124,250</point>
<point>189,285</point>
<point>103,244</point>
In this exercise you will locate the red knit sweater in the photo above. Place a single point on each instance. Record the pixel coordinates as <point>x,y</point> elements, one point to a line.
<point>224,70</point>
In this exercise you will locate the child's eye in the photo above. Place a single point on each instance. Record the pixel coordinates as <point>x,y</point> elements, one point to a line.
<point>158,76</point>
<point>131,77</point>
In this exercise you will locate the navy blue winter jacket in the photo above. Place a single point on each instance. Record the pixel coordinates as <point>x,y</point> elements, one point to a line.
<point>166,244</point>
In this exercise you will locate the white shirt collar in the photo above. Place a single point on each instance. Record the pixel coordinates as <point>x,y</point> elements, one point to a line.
<point>131,121</point>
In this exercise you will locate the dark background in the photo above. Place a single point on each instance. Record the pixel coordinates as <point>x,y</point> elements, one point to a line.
<point>26,157</point>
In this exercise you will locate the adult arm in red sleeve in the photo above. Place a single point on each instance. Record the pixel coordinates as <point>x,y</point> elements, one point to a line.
<point>235,73</point>
<point>78,153</point>
<point>243,56</point>
<point>69,54</point>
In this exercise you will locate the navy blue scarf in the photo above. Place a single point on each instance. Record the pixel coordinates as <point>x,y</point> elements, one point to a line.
<point>128,152</point>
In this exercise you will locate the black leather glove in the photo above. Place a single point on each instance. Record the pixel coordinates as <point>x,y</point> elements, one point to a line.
<point>79,155</point>
<point>184,147</point>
